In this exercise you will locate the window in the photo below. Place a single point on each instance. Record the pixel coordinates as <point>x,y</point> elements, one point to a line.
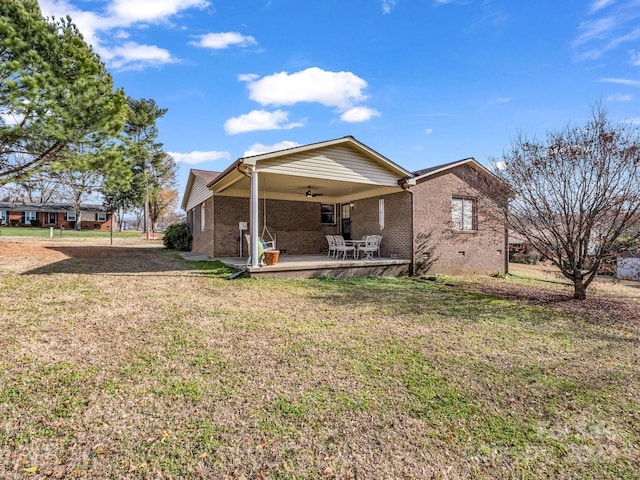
<point>202,220</point>
<point>328,213</point>
<point>101,217</point>
<point>28,216</point>
<point>4,218</point>
<point>381,213</point>
<point>70,216</point>
<point>463,212</point>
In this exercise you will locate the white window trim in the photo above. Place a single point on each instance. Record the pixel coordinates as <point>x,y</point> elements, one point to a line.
<point>381,213</point>
<point>101,217</point>
<point>203,224</point>
<point>465,209</point>
<point>70,216</point>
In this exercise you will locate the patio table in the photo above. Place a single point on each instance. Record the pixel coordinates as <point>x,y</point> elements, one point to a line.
<point>355,243</point>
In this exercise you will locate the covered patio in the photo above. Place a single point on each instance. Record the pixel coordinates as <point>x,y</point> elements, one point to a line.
<point>342,181</point>
<point>310,266</point>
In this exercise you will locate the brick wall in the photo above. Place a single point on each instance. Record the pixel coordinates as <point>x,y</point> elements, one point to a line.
<point>203,240</point>
<point>87,221</point>
<point>440,249</point>
<point>296,225</point>
<point>397,231</point>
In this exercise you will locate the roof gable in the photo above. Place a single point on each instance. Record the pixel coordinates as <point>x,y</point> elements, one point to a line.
<point>196,190</point>
<point>470,162</point>
<point>339,167</point>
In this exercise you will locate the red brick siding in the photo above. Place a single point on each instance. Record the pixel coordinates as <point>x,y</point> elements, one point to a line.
<point>438,248</point>
<point>296,225</point>
<point>397,233</point>
<point>85,223</point>
<point>203,241</point>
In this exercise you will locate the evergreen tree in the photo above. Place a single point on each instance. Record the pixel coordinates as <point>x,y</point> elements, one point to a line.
<point>54,90</point>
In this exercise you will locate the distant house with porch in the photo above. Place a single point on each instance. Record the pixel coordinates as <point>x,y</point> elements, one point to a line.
<point>56,215</point>
<point>433,220</point>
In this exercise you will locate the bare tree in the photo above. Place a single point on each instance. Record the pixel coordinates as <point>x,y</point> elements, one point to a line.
<point>574,195</point>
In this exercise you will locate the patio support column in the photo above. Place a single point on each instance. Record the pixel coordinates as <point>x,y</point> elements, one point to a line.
<point>253,210</point>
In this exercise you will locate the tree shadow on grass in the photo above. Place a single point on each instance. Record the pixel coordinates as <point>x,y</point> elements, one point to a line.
<point>93,260</point>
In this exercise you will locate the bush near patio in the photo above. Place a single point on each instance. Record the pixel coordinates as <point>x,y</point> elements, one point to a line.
<point>178,237</point>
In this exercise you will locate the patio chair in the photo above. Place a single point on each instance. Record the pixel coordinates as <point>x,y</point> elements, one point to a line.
<point>331,241</point>
<point>371,246</point>
<point>342,247</point>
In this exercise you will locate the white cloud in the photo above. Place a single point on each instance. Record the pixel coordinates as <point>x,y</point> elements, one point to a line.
<point>606,31</point>
<point>619,97</point>
<point>10,119</point>
<point>106,31</point>
<point>258,148</point>
<point>127,12</point>
<point>359,114</point>
<point>622,81</point>
<point>196,157</point>
<point>635,58</point>
<point>500,165</point>
<point>133,56</point>
<point>388,6</point>
<point>428,131</point>
<point>332,89</point>
<point>218,41</point>
<point>502,100</point>
<point>600,4</point>
<point>260,120</point>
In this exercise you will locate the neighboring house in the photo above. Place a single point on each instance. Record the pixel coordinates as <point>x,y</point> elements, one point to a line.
<point>628,266</point>
<point>437,218</point>
<point>92,217</point>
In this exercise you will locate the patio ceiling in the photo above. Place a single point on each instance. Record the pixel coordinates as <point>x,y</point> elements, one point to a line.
<point>294,188</point>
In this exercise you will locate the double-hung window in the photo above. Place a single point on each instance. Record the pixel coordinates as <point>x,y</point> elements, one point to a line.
<point>28,216</point>
<point>101,217</point>
<point>463,213</point>
<point>70,216</point>
<point>327,213</point>
<point>4,217</point>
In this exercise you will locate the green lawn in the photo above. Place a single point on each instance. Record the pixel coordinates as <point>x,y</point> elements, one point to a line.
<point>153,367</point>
<point>45,232</point>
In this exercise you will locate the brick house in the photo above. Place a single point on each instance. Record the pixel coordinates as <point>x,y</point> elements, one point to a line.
<point>56,215</point>
<point>437,218</point>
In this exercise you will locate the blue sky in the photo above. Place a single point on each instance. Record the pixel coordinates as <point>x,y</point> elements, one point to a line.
<point>422,82</point>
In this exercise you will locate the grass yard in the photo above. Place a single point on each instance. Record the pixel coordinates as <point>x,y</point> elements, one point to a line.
<point>128,362</point>
<point>44,233</point>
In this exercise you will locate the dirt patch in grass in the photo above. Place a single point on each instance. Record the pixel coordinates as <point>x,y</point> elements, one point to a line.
<point>129,362</point>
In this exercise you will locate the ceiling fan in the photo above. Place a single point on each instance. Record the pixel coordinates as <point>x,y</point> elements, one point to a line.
<point>310,194</point>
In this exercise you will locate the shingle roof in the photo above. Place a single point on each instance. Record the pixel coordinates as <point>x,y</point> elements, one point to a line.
<point>206,176</point>
<point>426,171</point>
<point>49,207</point>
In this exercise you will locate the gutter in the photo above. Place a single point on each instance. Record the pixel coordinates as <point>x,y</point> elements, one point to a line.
<point>235,165</point>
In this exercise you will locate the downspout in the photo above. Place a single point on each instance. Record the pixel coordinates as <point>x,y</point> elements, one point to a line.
<point>404,183</point>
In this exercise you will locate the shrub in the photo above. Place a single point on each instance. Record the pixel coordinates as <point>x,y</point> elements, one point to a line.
<point>178,237</point>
